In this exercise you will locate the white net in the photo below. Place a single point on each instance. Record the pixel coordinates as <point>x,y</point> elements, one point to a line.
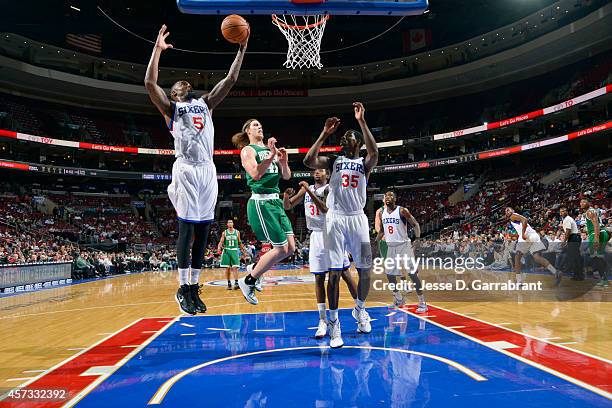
<point>304,34</point>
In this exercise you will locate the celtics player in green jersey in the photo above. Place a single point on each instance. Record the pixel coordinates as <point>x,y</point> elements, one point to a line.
<point>598,239</point>
<point>264,164</point>
<point>230,257</point>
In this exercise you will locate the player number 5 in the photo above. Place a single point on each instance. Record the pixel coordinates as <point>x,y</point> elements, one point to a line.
<point>198,122</point>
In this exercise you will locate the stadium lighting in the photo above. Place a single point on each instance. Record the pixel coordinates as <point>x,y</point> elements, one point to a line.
<point>75,8</point>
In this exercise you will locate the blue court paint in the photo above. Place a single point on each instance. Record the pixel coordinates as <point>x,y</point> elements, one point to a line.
<point>321,377</point>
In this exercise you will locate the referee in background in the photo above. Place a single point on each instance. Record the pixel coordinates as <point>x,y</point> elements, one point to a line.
<point>572,238</point>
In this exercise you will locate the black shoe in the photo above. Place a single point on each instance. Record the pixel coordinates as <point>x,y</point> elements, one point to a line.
<point>200,307</point>
<point>183,298</point>
<point>558,277</point>
<point>236,287</point>
<point>229,286</point>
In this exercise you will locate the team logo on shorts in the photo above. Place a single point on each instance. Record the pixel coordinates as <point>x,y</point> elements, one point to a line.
<point>274,280</point>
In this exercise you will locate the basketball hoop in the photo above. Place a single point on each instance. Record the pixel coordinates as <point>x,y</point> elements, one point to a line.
<point>304,35</point>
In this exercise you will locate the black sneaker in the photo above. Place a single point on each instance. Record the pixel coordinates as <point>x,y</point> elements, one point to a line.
<point>236,287</point>
<point>183,298</point>
<point>229,285</point>
<point>196,289</point>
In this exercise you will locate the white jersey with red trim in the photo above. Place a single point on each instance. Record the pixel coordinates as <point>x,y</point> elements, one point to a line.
<point>394,225</point>
<point>315,219</point>
<point>192,127</point>
<point>347,186</point>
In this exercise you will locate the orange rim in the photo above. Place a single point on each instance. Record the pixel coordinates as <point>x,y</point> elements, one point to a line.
<point>299,27</point>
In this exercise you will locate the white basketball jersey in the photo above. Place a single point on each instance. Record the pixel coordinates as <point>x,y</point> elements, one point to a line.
<point>193,131</point>
<point>347,186</point>
<point>518,226</point>
<point>315,219</point>
<point>394,226</point>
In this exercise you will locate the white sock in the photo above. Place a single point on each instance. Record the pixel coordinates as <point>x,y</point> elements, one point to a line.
<point>333,315</point>
<point>551,268</point>
<point>359,303</point>
<point>322,314</point>
<point>195,276</point>
<point>421,299</point>
<point>183,276</point>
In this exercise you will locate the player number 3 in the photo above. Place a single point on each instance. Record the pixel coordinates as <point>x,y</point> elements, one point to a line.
<point>354,180</point>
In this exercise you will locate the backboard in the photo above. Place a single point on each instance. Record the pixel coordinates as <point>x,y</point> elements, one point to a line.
<point>305,7</point>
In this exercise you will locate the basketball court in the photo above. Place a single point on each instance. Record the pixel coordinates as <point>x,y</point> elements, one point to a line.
<point>122,340</point>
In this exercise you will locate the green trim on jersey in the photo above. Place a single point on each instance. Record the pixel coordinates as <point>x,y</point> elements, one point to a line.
<point>268,183</point>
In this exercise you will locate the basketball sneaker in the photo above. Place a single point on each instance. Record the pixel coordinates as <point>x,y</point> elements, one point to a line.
<point>259,283</point>
<point>398,299</point>
<point>363,320</point>
<point>321,330</point>
<point>196,289</point>
<point>248,291</point>
<point>520,277</point>
<point>236,287</point>
<point>558,277</point>
<point>335,335</point>
<point>183,298</point>
<point>422,308</point>
<point>229,286</point>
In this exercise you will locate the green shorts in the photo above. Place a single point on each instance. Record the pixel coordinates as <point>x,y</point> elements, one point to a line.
<point>230,258</point>
<point>268,220</point>
<point>604,237</point>
<point>382,248</point>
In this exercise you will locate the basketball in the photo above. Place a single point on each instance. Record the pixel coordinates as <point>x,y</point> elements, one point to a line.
<point>235,29</point>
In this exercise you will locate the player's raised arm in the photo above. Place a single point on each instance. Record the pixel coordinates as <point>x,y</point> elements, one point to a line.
<point>371,159</point>
<point>415,224</point>
<point>249,163</point>
<point>283,163</point>
<point>522,220</point>
<point>156,93</point>
<point>220,91</point>
<point>291,199</point>
<point>315,199</point>
<point>312,159</point>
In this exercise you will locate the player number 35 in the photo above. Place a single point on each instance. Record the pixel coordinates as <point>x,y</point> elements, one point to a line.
<point>352,180</point>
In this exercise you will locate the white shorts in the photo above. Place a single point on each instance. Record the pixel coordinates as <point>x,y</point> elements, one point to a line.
<point>532,245</point>
<point>404,251</point>
<point>193,191</point>
<point>318,255</point>
<point>348,233</point>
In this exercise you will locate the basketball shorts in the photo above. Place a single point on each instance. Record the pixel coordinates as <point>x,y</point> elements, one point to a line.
<point>269,221</point>
<point>348,233</point>
<point>193,191</point>
<point>318,255</point>
<point>604,237</point>
<point>403,256</point>
<point>230,258</point>
<point>533,244</point>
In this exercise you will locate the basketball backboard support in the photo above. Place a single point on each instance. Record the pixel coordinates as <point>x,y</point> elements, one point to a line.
<point>305,7</point>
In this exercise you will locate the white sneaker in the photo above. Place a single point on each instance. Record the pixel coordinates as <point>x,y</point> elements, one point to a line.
<point>248,291</point>
<point>335,335</point>
<point>363,320</point>
<point>259,282</point>
<point>422,308</point>
<point>398,299</point>
<point>321,330</point>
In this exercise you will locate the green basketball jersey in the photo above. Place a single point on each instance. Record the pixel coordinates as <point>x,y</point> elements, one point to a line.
<point>589,223</point>
<point>268,183</point>
<point>231,239</point>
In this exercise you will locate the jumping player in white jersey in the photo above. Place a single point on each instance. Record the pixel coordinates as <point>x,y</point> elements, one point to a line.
<point>314,198</point>
<point>528,241</point>
<point>392,222</point>
<point>346,225</point>
<point>193,191</point>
